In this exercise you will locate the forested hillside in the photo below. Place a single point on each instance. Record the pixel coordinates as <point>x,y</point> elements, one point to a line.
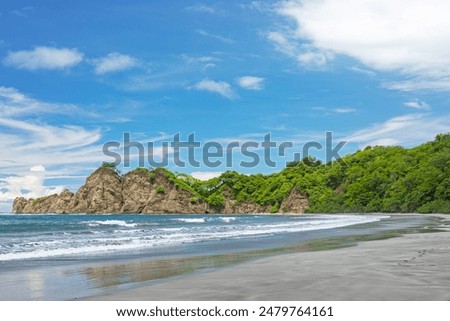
<point>376,179</point>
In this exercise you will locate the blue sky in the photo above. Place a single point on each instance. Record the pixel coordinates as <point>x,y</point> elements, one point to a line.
<point>74,75</point>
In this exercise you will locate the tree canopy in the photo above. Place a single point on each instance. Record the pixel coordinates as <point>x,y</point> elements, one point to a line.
<point>376,179</point>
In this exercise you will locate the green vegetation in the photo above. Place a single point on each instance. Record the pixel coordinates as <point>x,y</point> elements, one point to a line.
<point>160,190</point>
<point>275,208</point>
<point>140,170</point>
<point>149,172</point>
<point>376,179</point>
<point>216,200</point>
<point>193,200</point>
<point>110,166</point>
<point>37,200</point>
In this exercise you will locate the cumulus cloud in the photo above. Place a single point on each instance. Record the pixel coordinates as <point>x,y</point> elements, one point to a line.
<point>406,130</point>
<point>44,58</point>
<point>114,62</point>
<point>219,87</point>
<point>37,168</point>
<point>417,104</point>
<point>204,176</point>
<point>251,82</point>
<point>29,185</point>
<point>412,38</point>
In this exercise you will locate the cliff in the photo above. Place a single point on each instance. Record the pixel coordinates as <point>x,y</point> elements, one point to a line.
<point>141,191</point>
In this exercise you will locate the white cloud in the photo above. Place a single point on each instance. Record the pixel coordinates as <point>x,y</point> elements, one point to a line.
<point>201,8</point>
<point>29,185</point>
<point>363,71</point>
<point>338,110</point>
<point>37,168</point>
<point>205,62</point>
<point>276,128</point>
<point>43,136</point>
<point>200,59</point>
<point>420,83</point>
<point>213,36</point>
<point>316,59</point>
<point>407,130</point>
<point>204,176</point>
<point>417,104</point>
<point>14,103</point>
<point>305,54</point>
<point>21,13</point>
<point>220,87</point>
<point>33,146</point>
<point>114,62</point>
<point>44,58</point>
<point>344,110</point>
<point>282,43</point>
<point>411,37</point>
<point>251,82</point>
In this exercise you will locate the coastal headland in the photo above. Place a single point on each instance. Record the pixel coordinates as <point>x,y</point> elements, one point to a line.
<point>377,179</point>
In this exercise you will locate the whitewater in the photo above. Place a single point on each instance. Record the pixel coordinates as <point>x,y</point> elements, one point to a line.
<point>26,237</point>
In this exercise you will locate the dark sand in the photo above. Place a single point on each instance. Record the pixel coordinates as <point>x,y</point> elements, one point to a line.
<point>410,267</point>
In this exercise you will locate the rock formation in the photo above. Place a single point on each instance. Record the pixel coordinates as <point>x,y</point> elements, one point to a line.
<point>140,191</point>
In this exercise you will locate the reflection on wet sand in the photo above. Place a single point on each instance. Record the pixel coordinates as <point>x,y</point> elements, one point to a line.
<point>126,273</point>
<point>129,273</point>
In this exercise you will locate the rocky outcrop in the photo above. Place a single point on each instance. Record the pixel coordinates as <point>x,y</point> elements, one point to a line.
<point>50,204</point>
<point>105,191</point>
<point>141,191</point>
<point>245,207</point>
<point>154,192</point>
<point>296,202</point>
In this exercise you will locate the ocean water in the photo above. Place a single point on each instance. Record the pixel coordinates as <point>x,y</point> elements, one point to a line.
<point>65,257</point>
<point>25,237</point>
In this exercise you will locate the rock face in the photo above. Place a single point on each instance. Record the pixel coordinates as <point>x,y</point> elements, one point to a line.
<point>105,191</point>
<point>296,202</point>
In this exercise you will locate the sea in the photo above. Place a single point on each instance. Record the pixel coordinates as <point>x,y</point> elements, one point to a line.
<point>65,257</point>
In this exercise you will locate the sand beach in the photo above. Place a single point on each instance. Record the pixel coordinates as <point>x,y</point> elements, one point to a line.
<point>409,267</point>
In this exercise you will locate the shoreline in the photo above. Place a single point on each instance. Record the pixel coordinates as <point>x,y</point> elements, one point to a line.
<point>408,267</point>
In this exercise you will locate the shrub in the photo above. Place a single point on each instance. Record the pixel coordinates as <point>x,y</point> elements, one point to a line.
<point>275,208</point>
<point>160,190</point>
<point>216,200</point>
<point>37,201</point>
<point>111,166</point>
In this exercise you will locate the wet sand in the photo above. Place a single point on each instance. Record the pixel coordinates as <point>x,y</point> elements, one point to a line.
<point>410,267</point>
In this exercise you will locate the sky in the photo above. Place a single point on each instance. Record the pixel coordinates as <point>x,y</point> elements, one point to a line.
<point>75,75</point>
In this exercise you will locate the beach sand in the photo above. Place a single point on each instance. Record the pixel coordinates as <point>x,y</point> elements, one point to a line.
<point>410,267</point>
